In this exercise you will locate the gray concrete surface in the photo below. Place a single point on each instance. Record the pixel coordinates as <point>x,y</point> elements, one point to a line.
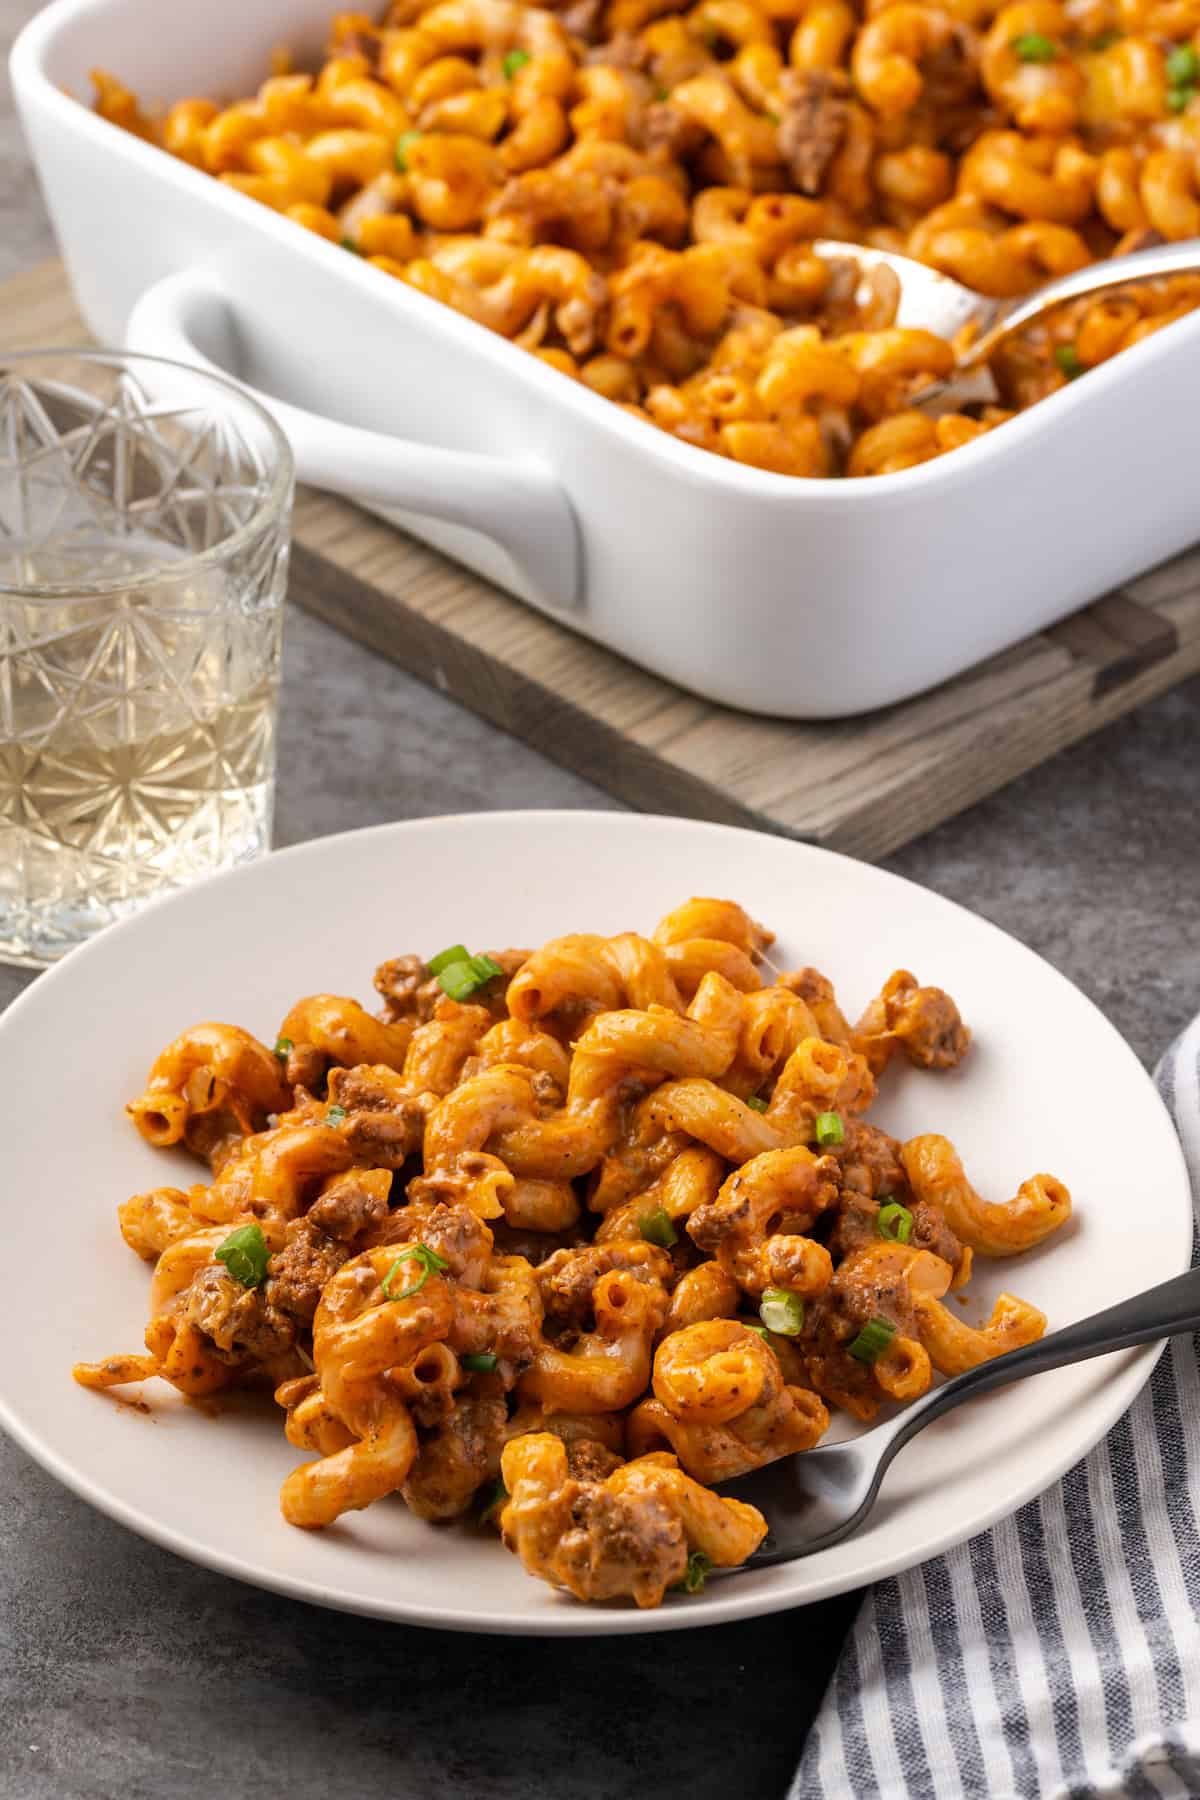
<point>127,1673</point>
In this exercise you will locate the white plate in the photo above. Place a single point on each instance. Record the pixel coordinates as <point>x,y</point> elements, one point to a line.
<point>1048,1085</point>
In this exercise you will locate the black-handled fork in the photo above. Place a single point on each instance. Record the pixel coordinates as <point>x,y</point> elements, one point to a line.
<point>815,1499</point>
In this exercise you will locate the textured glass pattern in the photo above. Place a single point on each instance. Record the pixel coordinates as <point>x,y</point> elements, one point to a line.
<point>143,549</point>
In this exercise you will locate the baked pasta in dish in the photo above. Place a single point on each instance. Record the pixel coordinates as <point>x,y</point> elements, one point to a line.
<point>567,1237</point>
<point>630,189</point>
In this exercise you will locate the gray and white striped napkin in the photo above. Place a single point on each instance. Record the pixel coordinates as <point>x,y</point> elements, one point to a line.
<point>1056,1656</point>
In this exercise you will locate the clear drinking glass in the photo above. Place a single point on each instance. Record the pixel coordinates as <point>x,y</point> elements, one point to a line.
<point>144,513</point>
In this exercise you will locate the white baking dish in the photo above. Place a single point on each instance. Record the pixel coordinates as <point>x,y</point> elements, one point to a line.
<point>803,598</point>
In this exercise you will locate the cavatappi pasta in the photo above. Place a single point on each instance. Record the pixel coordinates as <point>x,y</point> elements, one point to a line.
<point>630,189</point>
<point>565,1238</point>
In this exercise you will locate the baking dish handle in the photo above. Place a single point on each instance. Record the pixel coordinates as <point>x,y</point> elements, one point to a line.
<point>519,504</point>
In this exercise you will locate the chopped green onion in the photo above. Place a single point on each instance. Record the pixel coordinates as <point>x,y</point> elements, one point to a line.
<point>429,1261</point>
<point>402,143</point>
<point>756,1103</point>
<point>656,1228</point>
<point>455,954</point>
<point>283,1048</point>
<point>1183,66</point>
<point>1035,47</point>
<point>480,1362</point>
<point>1104,40</point>
<point>348,243</point>
<point>499,1497</point>
<point>782,1311</point>
<point>245,1254</point>
<point>457,979</point>
<point>1067,358</point>
<point>760,1330</point>
<point>872,1340</point>
<point>461,979</point>
<point>829,1129</point>
<point>334,1115</point>
<point>1179,98</point>
<point>695,1575</point>
<point>894,1222</point>
<point>516,59</point>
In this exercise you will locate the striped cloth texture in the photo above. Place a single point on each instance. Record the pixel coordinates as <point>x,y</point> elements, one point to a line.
<point>1056,1656</point>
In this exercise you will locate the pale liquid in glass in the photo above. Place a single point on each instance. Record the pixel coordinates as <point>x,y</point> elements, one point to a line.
<point>136,740</point>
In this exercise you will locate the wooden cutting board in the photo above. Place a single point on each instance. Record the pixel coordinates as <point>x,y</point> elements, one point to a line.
<point>861,785</point>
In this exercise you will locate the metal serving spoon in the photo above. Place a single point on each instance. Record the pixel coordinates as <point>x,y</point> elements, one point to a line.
<point>813,1500</point>
<point>935,302</point>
